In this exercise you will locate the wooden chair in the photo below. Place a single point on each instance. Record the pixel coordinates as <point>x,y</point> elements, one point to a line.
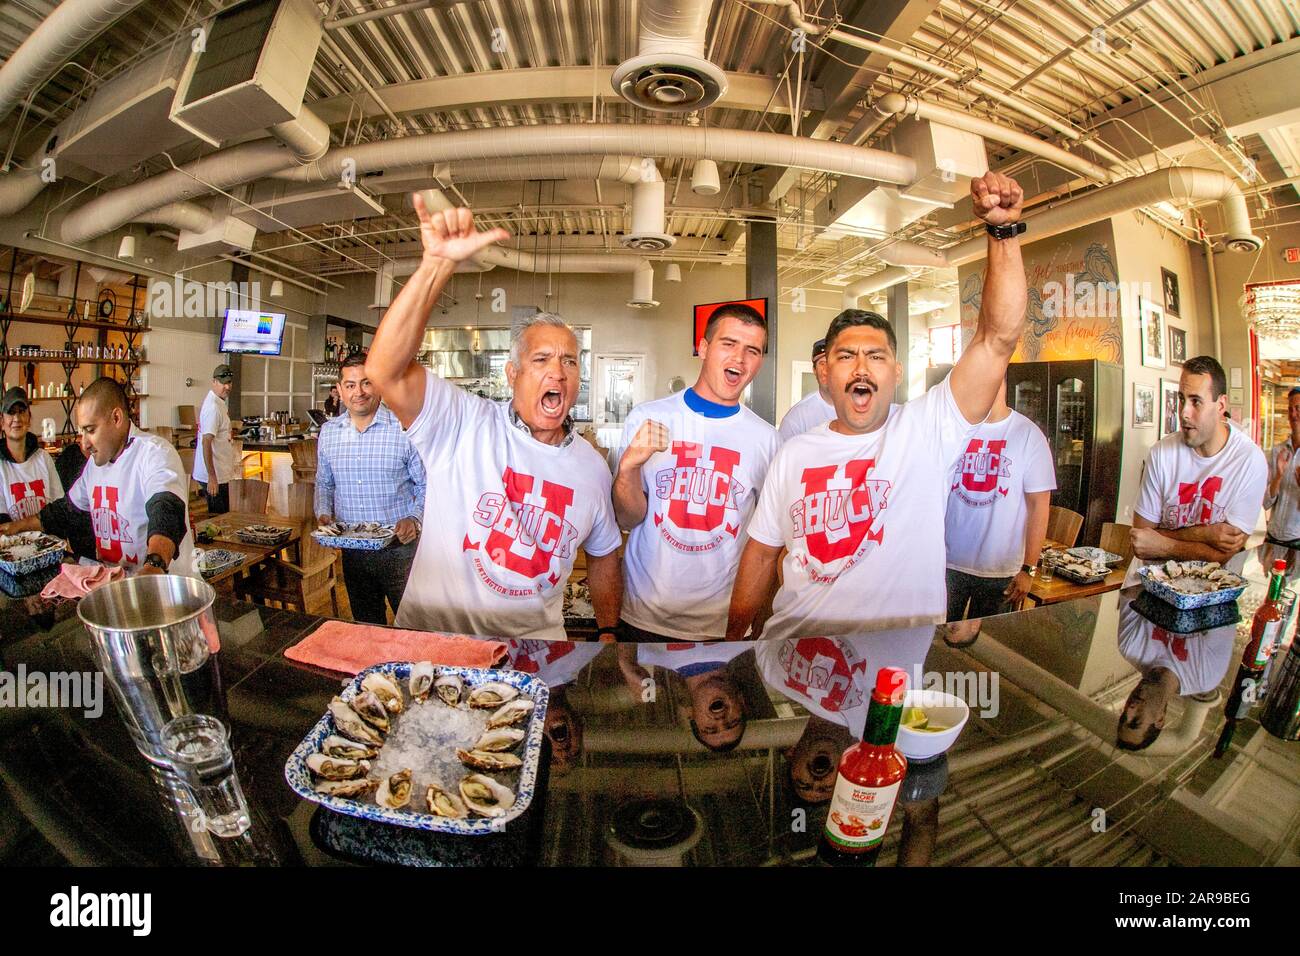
<point>187,460</point>
<point>278,581</point>
<point>1117,539</point>
<point>1063,526</point>
<point>302,500</point>
<point>304,459</point>
<point>166,433</point>
<point>249,495</point>
<point>188,429</point>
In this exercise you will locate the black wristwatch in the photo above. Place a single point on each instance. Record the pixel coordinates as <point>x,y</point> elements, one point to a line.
<point>615,631</point>
<point>1027,568</point>
<point>1006,231</point>
<point>155,560</point>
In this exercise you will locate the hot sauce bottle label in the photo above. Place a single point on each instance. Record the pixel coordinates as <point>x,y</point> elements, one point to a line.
<point>1266,642</point>
<point>859,815</point>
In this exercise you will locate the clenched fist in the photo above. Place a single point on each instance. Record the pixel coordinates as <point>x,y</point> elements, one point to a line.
<point>650,438</point>
<point>997,199</point>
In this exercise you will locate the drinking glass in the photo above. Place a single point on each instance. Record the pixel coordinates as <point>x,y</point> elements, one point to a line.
<point>1046,571</point>
<point>198,747</point>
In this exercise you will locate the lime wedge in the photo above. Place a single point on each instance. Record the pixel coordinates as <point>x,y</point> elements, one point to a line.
<point>914,718</point>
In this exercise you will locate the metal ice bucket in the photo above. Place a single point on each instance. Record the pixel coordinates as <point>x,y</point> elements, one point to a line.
<point>153,636</point>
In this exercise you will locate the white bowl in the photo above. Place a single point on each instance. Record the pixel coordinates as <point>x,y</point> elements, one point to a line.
<point>941,708</point>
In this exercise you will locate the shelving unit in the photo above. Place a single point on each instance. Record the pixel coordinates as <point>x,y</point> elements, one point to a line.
<point>73,322</point>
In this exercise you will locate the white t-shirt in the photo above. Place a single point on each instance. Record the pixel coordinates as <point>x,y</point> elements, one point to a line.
<point>805,415</point>
<point>1182,489</point>
<point>689,659</point>
<point>27,487</point>
<point>862,520</point>
<point>555,662</point>
<point>832,677</point>
<point>116,496</point>
<point>214,419</point>
<point>985,527</point>
<point>1284,513</point>
<point>504,518</point>
<point>1200,660</point>
<point>681,560</point>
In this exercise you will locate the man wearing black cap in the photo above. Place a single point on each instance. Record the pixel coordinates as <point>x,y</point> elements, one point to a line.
<point>28,477</point>
<point>214,464</point>
<point>815,407</point>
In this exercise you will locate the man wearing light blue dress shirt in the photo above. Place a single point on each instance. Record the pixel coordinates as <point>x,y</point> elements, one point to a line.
<point>367,470</point>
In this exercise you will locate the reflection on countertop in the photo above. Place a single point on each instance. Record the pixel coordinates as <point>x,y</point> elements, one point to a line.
<point>724,754</point>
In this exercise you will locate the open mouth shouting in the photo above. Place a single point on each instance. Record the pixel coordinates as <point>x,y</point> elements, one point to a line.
<point>733,375</point>
<point>552,402</point>
<point>861,391</point>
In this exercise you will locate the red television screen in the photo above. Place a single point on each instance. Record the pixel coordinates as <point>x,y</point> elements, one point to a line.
<point>703,312</point>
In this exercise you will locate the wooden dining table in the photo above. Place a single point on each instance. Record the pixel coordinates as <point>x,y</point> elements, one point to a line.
<point>230,523</point>
<point>1063,589</point>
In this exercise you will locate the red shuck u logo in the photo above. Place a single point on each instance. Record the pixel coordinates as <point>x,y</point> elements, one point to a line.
<point>525,534</point>
<point>981,464</point>
<point>28,497</point>
<point>1188,494</point>
<point>107,523</point>
<point>844,514</point>
<point>690,483</point>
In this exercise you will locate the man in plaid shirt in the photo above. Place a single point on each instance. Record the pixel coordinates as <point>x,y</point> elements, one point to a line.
<point>367,470</point>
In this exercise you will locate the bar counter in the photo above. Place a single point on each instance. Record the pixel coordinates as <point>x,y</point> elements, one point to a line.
<point>624,781</point>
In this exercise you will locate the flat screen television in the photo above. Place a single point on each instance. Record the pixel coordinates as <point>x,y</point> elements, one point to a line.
<point>703,312</point>
<point>252,332</point>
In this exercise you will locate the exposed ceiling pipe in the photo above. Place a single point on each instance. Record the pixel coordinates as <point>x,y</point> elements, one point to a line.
<point>181,215</point>
<point>975,85</point>
<point>306,134</point>
<point>18,188</point>
<point>219,170</point>
<point>896,104</point>
<point>255,160</point>
<point>670,73</point>
<point>874,283</point>
<point>598,139</point>
<point>70,26</point>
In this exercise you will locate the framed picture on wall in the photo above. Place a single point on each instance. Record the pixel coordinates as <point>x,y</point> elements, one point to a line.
<point>1169,282</point>
<point>1177,345</point>
<point>1152,333</point>
<point>1144,405</point>
<point>1169,410</point>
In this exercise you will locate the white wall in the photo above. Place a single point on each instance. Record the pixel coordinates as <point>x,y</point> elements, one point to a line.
<point>175,355</point>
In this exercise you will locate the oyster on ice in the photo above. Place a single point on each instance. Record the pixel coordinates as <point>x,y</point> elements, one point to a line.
<point>499,739</point>
<point>487,760</point>
<point>349,723</point>
<point>394,792</point>
<point>492,694</point>
<point>444,804</point>
<point>485,797</point>
<point>421,682</point>
<point>337,768</point>
<point>336,746</point>
<point>347,788</point>
<point>386,689</point>
<point>511,712</point>
<point>449,688</point>
<point>372,710</point>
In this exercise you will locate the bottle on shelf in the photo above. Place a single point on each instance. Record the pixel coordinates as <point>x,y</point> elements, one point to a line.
<point>870,775</point>
<point>1265,632</point>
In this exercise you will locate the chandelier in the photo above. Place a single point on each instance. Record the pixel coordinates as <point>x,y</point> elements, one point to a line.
<point>1273,310</point>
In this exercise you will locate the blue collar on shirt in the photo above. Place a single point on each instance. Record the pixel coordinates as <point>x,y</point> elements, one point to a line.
<point>707,408</point>
<point>701,667</point>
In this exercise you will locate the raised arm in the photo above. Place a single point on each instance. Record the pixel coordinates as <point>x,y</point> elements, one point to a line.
<point>448,238</point>
<point>997,200</point>
<point>630,502</point>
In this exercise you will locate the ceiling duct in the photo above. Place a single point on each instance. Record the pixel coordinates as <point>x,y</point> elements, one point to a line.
<point>670,74</point>
<point>251,74</point>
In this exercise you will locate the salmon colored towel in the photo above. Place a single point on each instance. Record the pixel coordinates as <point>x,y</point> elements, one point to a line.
<point>76,581</point>
<point>351,648</point>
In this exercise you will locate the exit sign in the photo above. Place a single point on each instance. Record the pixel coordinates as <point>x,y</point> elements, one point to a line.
<point>1293,254</point>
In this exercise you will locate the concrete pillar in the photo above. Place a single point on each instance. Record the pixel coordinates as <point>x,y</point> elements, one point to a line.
<point>761,282</point>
